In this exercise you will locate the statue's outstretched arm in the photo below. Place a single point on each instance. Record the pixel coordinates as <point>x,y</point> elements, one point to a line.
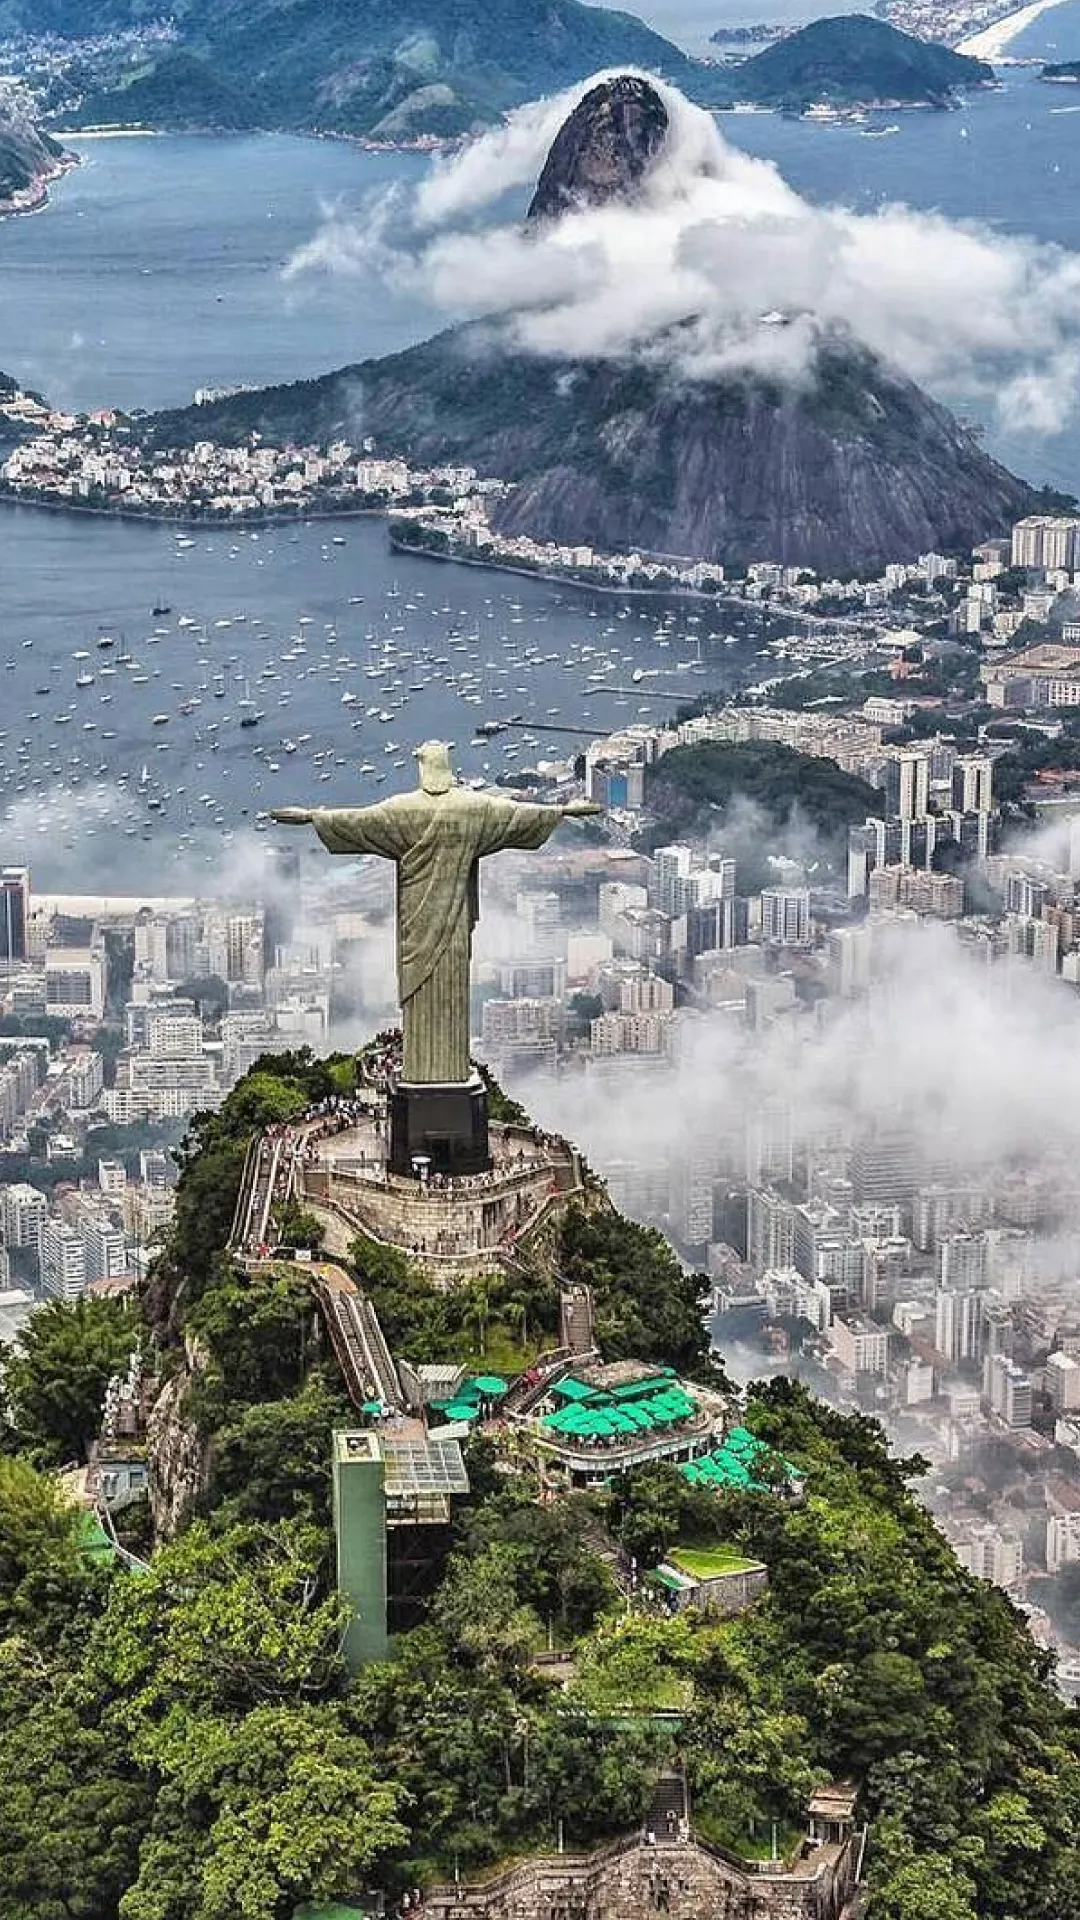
<point>292,816</point>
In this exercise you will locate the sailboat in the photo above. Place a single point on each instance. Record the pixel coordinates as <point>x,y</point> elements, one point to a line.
<point>250,715</point>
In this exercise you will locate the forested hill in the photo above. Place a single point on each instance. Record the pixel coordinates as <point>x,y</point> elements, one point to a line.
<point>191,1747</point>
<point>694,788</point>
<point>361,66</point>
<point>855,60</point>
<point>854,468</point>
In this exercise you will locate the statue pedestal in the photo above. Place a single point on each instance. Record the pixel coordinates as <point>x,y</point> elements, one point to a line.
<point>446,1126</point>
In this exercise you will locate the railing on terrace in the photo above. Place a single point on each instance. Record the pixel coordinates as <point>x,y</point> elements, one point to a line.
<point>610,1452</point>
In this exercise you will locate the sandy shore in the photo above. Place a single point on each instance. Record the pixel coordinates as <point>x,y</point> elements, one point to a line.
<point>993,42</point>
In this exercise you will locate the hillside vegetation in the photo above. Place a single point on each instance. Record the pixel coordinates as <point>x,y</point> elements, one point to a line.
<point>694,788</point>
<point>185,1744</point>
<point>854,469</point>
<point>855,60</point>
<point>358,66</point>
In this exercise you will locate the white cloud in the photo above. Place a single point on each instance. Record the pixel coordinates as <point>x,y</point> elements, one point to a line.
<point>716,241</point>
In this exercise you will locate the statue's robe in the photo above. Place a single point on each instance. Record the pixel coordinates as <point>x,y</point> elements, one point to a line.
<point>436,841</point>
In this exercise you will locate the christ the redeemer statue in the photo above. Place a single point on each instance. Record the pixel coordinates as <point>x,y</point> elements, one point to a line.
<point>436,835</point>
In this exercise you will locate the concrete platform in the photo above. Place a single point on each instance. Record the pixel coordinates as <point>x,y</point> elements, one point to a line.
<point>452,1225</point>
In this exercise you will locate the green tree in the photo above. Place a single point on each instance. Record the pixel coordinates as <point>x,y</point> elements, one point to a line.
<point>260,1331</point>
<point>218,1624</point>
<point>926,1888</point>
<point>42,1577</point>
<point>256,1815</point>
<point>75,1811</point>
<point>479,1608</point>
<point>271,1461</point>
<point>55,1378</point>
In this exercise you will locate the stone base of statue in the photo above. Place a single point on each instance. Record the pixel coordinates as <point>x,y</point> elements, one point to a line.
<point>439,1129</point>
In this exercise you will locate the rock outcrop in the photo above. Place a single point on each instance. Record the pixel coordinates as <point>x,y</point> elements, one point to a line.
<point>29,159</point>
<point>605,148</point>
<point>176,1449</point>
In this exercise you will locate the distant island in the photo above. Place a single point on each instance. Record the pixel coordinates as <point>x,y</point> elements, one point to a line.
<point>854,61</point>
<point>29,160</point>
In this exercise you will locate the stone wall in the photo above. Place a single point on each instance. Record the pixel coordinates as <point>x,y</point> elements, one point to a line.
<point>729,1593</point>
<point>684,1880</point>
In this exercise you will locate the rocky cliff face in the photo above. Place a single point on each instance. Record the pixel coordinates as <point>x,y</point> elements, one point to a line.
<point>177,1453</point>
<point>605,148</point>
<point>28,159</point>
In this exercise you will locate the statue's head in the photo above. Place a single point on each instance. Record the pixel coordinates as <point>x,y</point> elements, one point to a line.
<point>436,775</point>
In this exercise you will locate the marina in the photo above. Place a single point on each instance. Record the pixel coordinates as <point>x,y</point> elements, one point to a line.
<point>173,689</point>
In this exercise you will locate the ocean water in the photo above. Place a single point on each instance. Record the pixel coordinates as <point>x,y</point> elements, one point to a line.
<point>158,267</point>
<point>123,760</point>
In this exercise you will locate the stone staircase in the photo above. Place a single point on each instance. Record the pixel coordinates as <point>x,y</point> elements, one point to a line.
<point>667,1808</point>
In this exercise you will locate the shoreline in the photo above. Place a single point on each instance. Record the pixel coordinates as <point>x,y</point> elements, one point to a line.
<point>15,208</point>
<point>991,43</point>
<point>267,517</point>
<point>136,130</point>
<point>565,579</point>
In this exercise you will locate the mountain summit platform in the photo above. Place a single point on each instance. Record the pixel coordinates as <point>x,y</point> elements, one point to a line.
<point>452,1225</point>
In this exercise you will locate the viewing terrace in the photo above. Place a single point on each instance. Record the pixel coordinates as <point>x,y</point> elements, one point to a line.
<point>454,1226</point>
<point>603,1420</point>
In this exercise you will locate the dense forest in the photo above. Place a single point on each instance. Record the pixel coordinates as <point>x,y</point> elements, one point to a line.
<point>185,1743</point>
<point>717,785</point>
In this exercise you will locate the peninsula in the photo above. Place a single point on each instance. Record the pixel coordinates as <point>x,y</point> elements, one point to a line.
<point>29,157</point>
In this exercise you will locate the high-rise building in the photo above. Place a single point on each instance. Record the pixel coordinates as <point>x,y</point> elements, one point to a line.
<point>154,1169</point>
<point>14,914</point>
<point>785,916</point>
<point>244,948</point>
<point>957,1324</point>
<point>672,868</point>
<point>770,1230</point>
<point>1063,1382</point>
<point>907,783</point>
<point>860,1344</point>
<point>884,1168</point>
<point>990,1554</point>
<point>973,783</point>
<point>963,1262</point>
<point>63,1260</point>
<point>75,981</point>
<point>152,948</point>
<point>1007,1390</point>
<point>849,950</point>
<point>1047,543</point>
<point>22,1214</point>
<point>691,1198</point>
<point>104,1246</point>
